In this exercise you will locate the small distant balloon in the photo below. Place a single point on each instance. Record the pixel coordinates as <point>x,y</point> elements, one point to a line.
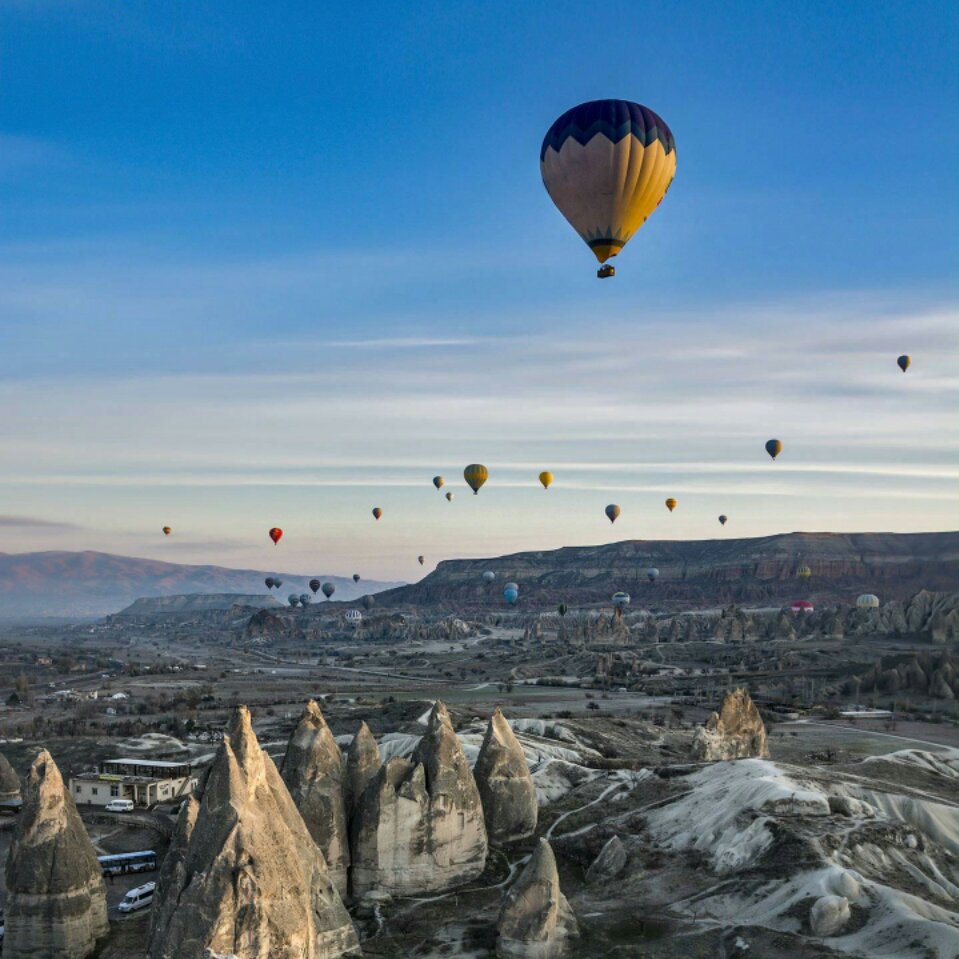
<point>562,609</point>
<point>167,530</point>
<point>489,576</point>
<point>670,504</point>
<point>511,593</point>
<point>438,481</point>
<point>620,600</point>
<point>450,497</point>
<point>803,572</point>
<point>277,582</point>
<point>293,599</point>
<point>723,520</point>
<point>315,585</point>
<point>904,361</point>
<point>356,577</point>
<point>270,582</point>
<point>276,534</point>
<point>305,599</point>
<point>613,511</point>
<point>652,574</point>
<point>868,600</point>
<point>368,602</point>
<point>546,478</point>
<point>774,448</point>
<point>328,589</point>
<point>421,560</point>
<point>476,474</point>
<point>377,512</point>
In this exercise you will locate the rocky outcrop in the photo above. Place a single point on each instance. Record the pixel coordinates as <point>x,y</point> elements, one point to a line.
<point>535,920</point>
<point>419,825</point>
<point>9,784</point>
<point>735,732</point>
<point>932,674</point>
<point>505,785</point>
<point>362,764</point>
<point>313,771</point>
<point>828,916</point>
<point>610,862</point>
<point>56,902</point>
<point>244,878</point>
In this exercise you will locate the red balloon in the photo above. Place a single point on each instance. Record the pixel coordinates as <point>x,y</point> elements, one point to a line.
<point>275,534</point>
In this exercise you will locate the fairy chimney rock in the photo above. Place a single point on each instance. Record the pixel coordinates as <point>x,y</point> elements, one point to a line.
<point>735,732</point>
<point>362,764</point>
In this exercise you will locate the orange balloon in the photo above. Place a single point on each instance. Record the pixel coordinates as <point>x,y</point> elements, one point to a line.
<point>670,504</point>
<point>276,534</point>
<point>167,530</point>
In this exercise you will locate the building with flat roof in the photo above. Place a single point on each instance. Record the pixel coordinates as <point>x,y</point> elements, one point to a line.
<point>145,781</point>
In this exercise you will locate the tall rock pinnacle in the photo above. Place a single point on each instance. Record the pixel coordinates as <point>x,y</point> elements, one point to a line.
<point>362,764</point>
<point>735,732</point>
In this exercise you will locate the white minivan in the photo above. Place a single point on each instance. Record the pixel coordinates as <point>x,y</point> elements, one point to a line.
<point>137,898</point>
<point>119,805</point>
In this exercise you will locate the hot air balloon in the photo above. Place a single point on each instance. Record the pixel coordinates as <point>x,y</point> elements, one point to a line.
<point>421,560</point>
<point>270,582</point>
<point>489,576</point>
<point>723,520</point>
<point>802,606</point>
<point>562,609</point>
<point>438,481</point>
<point>607,165</point>
<point>305,599</point>
<point>449,497</point>
<point>377,512</point>
<point>276,534</point>
<point>774,448</point>
<point>652,574</point>
<point>868,601</point>
<point>328,589</point>
<point>546,478</point>
<point>293,599</point>
<point>315,585</point>
<point>356,577</point>
<point>613,511</point>
<point>368,602</point>
<point>511,593</point>
<point>670,504</point>
<point>803,572</point>
<point>167,530</point>
<point>904,361</point>
<point>476,474</point>
<point>620,600</point>
<point>277,582</point>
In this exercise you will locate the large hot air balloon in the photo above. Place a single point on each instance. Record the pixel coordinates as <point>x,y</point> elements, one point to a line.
<point>652,574</point>
<point>449,497</point>
<point>276,534</point>
<point>670,504</point>
<point>774,448</point>
<point>620,600</point>
<point>167,530</point>
<point>328,589</point>
<point>723,520</point>
<point>562,609</point>
<point>476,474</point>
<point>868,601</point>
<point>377,512</point>
<point>438,481</point>
<point>546,478</point>
<point>511,593</point>
<point>803,572</point>
<point>315,585</point>
<point>270,582</point>
<point>356,577</point>
<point>607,165</point>
<point>293,599</point>
<point>489,576</point>
<point>613,511</point>
<point>421,560</point>
<point>305,599</point>
<point>904,362</point>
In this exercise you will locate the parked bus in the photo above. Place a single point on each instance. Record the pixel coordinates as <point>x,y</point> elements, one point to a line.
<point>123,862</point>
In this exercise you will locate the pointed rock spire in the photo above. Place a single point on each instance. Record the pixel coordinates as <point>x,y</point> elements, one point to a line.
<point>505,785</point>
<point>362,764</point>
<point>535,920</point>
<point>735,732</point>
<point>314,774</point>
<point>244,877</point>
<point>56,901</point>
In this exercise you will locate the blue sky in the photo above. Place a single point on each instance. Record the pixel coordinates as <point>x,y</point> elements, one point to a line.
<point>276,264</point>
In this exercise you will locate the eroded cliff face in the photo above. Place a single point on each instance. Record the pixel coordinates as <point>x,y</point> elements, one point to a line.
<point>419,825</point>
<point>244,877</point>
<point>735,732</point>
<point>505,785</point>
<point>9,782</point>
<point>314,772</point>
<point>56,901</point>
<point>536,921</point>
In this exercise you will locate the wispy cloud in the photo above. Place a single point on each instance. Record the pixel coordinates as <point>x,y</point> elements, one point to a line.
<point>33,522</point>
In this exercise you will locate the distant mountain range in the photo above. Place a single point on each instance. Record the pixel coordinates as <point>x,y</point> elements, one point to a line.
<point>65,585</point>
<point>701,573</point>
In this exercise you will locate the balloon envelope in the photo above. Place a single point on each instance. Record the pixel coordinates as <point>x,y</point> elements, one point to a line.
<point>368,602</point>
<point>421,560</point>
<point>476,474</point>
<point>652,574</point>
<point>315,585</point>
<point>438,481</point>
<point>276,534</point>
<point>356,577</point>
<point>774,448</point>
<point>546,478</point>
<point>270,582</point>
<point>328,589</point>
<point>449,496</point>
<point>804,572</point>
<point>904,361</point>
<point>305,599</point>
<point>723,520</point>
<point>613,511</point>
<point>489,576</point>
<point>670,504</point>
<point>868,601</point>
<point>167,530</point>
<point>562,609</point>
<point>620,600</point>
<point>607,165</point>
<point>293,599</point>
<point>377,512</point>
<point>511,594</point>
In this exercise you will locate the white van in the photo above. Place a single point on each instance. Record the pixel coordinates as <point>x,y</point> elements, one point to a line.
<point>138,898</point>
<point>119,805</point>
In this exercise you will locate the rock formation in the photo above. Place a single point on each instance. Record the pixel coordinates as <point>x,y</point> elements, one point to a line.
<point>735,732</point>
<point>243,877</point>
<point>419,826</point>
<point>362,764</point>
<point>313,772</point>
<point>505,785</point>
<point>535,921</point>
<point>610,862</point>
<point>828,916</point>
<point>56,901</point>
<point>9,784</point>
<point>929,674</point>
